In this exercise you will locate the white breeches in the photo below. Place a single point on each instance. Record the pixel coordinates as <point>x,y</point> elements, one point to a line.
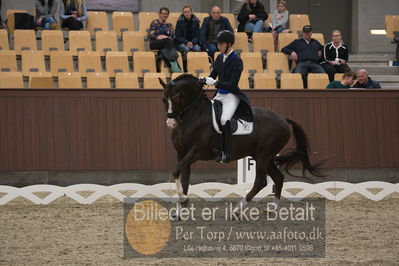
<point>230,103</point>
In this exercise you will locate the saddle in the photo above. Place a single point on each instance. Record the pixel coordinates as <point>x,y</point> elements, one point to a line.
<point>238,125</point>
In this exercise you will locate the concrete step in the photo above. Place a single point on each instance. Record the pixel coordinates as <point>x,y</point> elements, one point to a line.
<point>387,78</point>
<point>374,57</point>
<point>377,70</point>
<point>390,86</point>
<point>369,64</point>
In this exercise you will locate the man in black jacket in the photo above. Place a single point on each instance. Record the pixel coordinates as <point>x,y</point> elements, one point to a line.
<point>365,82</point>
<point>306,52</point>
<point>187,31</point>
<point>252,16</point>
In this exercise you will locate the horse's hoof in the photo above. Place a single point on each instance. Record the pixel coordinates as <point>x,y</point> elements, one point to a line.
<point>185,203</point>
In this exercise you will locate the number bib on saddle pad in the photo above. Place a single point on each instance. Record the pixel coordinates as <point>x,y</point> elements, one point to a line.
<point>238,126</point>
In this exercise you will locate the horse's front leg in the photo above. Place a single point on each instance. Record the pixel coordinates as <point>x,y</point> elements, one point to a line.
<point>183,167</point>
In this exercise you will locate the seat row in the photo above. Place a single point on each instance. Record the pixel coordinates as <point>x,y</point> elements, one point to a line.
<point>73,80</point>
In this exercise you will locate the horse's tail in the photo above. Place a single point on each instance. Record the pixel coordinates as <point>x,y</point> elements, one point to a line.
<point>301,154</point>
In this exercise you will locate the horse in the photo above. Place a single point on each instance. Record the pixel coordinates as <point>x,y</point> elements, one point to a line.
<point>189,113</point>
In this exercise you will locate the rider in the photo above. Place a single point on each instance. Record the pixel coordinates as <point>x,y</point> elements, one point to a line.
<point>228,67</point>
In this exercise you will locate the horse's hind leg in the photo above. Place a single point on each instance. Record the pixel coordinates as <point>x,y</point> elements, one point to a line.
<point>278,178</point>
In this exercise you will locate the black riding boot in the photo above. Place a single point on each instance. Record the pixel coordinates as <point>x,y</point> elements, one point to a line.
<point>224,154</point>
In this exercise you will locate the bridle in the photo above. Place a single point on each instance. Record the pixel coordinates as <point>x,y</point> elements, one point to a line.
<point>186,108</point>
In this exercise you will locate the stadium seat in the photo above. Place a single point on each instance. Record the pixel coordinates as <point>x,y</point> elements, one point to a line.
<point>106,41</point>
<point>24,40</point>
<point>79,41</point>
<point>286,38</point>
<point>291,81</point>
<point>61,62</point>
<point>11,80</point>
<point>265,81</point>
<point>232,20</point>
<point>89,62</point>
<point>277,62</point>
<point>8,61</point>
<point>52,40</point>
<point>201,16</point>
<point>391,25</point>
<point>241,42</point>
<point>317,80</point>
<point>68,80</point>
<point>151,80</point>
<point>98,81</point>
<point>4,45</point>
<point>319,37</point>
<point>173,17</point>
<point>32,62</point>
<point>116,62</point>
<point>11,18</point>
<point>263,42</point>
<point>268,20</point>
<point>122,21</point>
<point>145,19</point>
<point>165,69</point>
<point>144,62</point>
<point>133,41</point>
<point>198,63</point>
<point>338,76</point>
<point>41,80</point>
<point>175,75</point>
<point>252,63</point>
<point>126,81</point>
<point>244,81</point>
<point>97,21</point>
<point>297,21</point>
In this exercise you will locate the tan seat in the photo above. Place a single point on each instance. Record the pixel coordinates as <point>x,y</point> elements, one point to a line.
<point>144,62</point>
<point>41,80</point>
<point>241,42</point>
<point>277,62</point>
<point>338,76</point>
<point>79,41</point>
<point>297,21</point>
<point>165,69</point>
<point>126,81</point>
<point>391,25</point>
<point>97,21</point>
<point>252,62</point>
<point>232,19</point>
<point>98,81</point>
<point>173,17</point>
<point>263,42</point>
<point>286,38</point>
<point>52,40</point>
<point>265,81</point>
<point>145,19</point>
<point>116,62</point>
<point>151,80</point>
<point>317,80</point>
<point>122,21</point>
<point>32,62</point>
<point>4,45</point>
<point>24,40</point>
<point>291,81</point>
<point>175,75</point>
<point>268,20</point>
<point>11,18</point>
<point>11,80</point>
<point>198,63</point>
<point>319,37</point>
<point>69,80</point>
<point>61,62</point>
<point>133,41</point>
<point>201,16</point>
<point>8,61</point>
<point>244,81</point>
<point>89,62</point>
<point>106,41</point>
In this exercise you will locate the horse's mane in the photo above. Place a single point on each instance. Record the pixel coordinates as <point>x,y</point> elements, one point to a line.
<point>186,77</point>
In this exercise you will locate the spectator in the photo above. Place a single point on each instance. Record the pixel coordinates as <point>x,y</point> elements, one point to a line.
<point>252,16</point>
<point>45,13</point>
<point>347,81</point>
<point>335,56</point>
<point>365,82</point>
<point>187,31</point>
<point>210,28</point>
<point>280,18</point>
<point>306,52</point>
<point>161,36</point>
<point>73,13</point>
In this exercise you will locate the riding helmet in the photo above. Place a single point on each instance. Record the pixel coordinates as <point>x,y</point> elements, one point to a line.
<point>225,36</point>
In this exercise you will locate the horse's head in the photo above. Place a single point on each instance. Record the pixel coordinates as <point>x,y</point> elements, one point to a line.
<point>179,95</point>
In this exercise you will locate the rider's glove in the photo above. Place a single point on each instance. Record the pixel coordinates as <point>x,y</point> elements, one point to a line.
<point>210,81</point>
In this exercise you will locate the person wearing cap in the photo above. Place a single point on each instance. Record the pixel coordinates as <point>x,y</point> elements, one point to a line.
<point>227,68</point>
<point>306,52</point>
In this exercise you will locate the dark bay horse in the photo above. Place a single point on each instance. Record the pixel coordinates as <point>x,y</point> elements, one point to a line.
<point>189,113</point>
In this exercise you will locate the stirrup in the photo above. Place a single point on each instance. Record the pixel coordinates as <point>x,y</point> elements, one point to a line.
<point>223,157</point>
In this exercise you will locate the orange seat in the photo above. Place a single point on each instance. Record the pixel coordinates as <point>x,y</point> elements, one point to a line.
<point>52,40</point>
<point>11,80</point>
<point>391,25</point>
<point>252,63</point>
<point>24,40</point>
<point>133,41</point>
<point>61,62</point>
<point>126,81</point>
<point>8,61</point>
<point>106,41</point>
<point>277,62</point>
<point>97,21</point>
<point>116,62</point>
<point>122,21</point>
<point>41,80</point>
<point>291,81</point>
<point>98,81</point>
<point>79,41</point>
<point>317,80</point>
<point>68,80</point>
<point>297,21</point>
<point>144,62</point>
<point>285,39</point>
<point>151,80</point>
<point>4,45</point>
<point>263,42</point>
<point>265,81</point>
